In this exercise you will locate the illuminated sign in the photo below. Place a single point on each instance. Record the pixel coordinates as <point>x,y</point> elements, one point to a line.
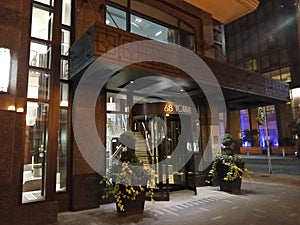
<point>173,108</point>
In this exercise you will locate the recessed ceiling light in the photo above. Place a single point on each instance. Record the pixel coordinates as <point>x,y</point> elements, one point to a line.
<point>158,33</point>
<point>138,20</point>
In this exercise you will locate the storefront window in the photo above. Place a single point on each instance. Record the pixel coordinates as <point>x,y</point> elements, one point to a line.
<point>36,145</point>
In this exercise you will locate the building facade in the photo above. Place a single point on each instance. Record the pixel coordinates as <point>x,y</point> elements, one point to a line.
<point>42,164</point>
<point>269,45</point>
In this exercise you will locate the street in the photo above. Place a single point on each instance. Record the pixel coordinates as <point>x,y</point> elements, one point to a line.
<point>280,165</point>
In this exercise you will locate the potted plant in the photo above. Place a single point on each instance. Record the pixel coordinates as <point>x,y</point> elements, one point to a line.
<point>228,168</point>
<point>128,180</point>
<point>250,136</point>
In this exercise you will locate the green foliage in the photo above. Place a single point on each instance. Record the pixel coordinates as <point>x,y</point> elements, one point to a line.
<point>295,127</point>
<point>129,178</point>
<point>235,163</point>
<point>250,136</point>
<point>228,144</point>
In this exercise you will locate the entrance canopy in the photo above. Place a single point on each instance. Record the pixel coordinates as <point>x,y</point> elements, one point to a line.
<point>241,88</point>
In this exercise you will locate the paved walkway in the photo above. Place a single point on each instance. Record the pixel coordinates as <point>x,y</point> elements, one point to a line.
<point>266,200</point>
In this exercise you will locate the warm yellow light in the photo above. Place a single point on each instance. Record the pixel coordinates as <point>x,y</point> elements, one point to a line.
<point>64,103</point>
<point>11,108</point>
<point>20,110</point>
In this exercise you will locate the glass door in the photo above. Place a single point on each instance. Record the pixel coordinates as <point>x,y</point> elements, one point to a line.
<point>153,130</point>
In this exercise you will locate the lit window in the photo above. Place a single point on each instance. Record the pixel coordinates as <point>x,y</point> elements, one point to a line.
<point>5,69</point>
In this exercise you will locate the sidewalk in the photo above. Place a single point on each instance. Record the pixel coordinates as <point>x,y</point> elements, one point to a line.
<point>209,206</point>
<point>275,179</point>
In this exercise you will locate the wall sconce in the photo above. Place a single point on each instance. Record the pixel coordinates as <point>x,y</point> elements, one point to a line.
<point>5,59</point>
<point>11,108</point>
<point>20,110</point>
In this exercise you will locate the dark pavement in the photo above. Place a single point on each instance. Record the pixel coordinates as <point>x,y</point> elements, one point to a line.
<point>268,199</point>
<point>279,164</point>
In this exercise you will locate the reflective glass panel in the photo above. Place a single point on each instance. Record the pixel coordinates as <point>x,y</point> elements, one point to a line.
<point>61,174</point>
<point>115,17</point>
<point>65,42</point>
<point>66,12</point>
<point>38,85</point>
<point>40,55</point>
<point>41,25</point>
<point>64,69</point>
<point>152,30</point>
<point>35,156</point>
<point>64,94</point>
<point>47,2</point>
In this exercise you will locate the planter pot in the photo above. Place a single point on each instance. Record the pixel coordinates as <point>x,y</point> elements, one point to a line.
<point>228,186</point>
<point>231,186</point>
<point>132,206</point>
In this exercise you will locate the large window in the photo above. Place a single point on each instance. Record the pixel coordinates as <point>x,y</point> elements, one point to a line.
<point>245,125</point>
<point>148,27</point>
<point>40,136</point>
<point>35,157</point>
<point>272,129</point>
<point>115,17</point>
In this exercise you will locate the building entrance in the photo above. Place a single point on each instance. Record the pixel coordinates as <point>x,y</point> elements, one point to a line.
<point>158,125</point>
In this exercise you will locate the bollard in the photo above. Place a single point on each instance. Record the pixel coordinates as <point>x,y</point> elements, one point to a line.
<point>283,153</point>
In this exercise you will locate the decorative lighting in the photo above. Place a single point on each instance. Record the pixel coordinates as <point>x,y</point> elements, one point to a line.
<point>5,69</point>
<point>11,108</point>
<point>64,103</point>
<point>20,110</point>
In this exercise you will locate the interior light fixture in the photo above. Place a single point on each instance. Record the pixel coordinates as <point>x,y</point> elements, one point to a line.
<point>158,33</point>
<point>5,59</point>
<point>295,93</point>
<point>138,20</point>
